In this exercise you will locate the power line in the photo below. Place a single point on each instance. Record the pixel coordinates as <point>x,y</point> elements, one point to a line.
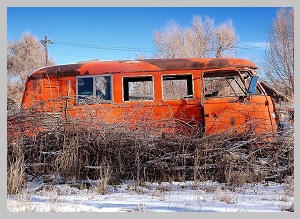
<point>252,47</point>
<point>91,46</point>
<point>62,54</point>
<point>89,57</point>
<point>104,47</point>
<point>136,49</point>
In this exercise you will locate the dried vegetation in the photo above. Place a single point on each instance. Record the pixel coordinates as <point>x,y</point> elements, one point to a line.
<point>86,147</point>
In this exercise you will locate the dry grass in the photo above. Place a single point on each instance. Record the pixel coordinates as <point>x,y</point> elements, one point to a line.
<point>289,186</point>
<point>89,147</point>
<point>226,197</point>
<point>104,177</point>
<point>288,207</point>
<point>16,176</point>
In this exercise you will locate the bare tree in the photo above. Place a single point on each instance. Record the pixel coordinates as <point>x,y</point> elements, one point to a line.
<point>279,57</point>
<point>23,57</point>
<point>169,41</point>
<point>225,40</point>
<point>202,39</point>
<point>198,38</point>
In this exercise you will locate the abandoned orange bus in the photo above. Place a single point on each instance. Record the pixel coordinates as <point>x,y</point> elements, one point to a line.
<point>217,94</point>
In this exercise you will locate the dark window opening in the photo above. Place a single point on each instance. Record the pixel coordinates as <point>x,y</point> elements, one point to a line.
<point>138,88</point>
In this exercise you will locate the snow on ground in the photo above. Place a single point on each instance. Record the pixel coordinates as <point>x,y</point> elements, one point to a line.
<point>155,197</point>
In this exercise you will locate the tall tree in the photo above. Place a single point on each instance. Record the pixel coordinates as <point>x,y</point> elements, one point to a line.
<point>169,41</point>
<point>279,56</point>
<point>225,40</point>
<point>23,57</point>
<point>198,38</point>
<point>202,39</point>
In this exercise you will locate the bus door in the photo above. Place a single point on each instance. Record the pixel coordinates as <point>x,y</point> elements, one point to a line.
<point>227,105</point>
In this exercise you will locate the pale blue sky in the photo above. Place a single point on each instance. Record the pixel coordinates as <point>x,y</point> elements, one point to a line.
<point>112,33</point>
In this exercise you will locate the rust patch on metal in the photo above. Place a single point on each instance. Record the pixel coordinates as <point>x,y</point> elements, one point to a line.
<point>57,71</point>
<point>175,64</point>
<point>232,120</point>
<point>218,63</point>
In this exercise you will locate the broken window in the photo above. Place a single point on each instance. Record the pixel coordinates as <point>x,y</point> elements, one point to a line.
<point>93,89</point>
<point>177,87</point>
<point>247,78</point>
<point>217,84</point>
<point>138,88</point>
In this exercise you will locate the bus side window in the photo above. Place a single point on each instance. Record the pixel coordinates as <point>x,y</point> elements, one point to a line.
<point>217,84</point>
<point>138,88</point>
<point>103,87</point>
<point>94,89</point>
<point>176,87</point>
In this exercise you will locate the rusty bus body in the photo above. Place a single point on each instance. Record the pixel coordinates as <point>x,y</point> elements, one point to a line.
<point>218,94</point>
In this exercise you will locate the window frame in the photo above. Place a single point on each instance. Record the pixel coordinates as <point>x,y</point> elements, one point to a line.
<point>224,75</point>
<point>189,85</point>
<point>125,85</point>
<point>94,96</point>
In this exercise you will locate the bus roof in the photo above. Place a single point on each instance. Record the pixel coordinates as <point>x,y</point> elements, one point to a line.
<point>145,65</point>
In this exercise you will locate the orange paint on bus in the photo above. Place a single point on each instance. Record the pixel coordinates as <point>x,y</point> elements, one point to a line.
<point>234,109</point>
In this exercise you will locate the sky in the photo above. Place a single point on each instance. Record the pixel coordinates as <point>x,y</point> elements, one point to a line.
<point>116,33</point>
<point>162,197</point>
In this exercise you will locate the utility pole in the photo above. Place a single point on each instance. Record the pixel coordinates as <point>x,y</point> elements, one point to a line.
<point>45,43</point>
